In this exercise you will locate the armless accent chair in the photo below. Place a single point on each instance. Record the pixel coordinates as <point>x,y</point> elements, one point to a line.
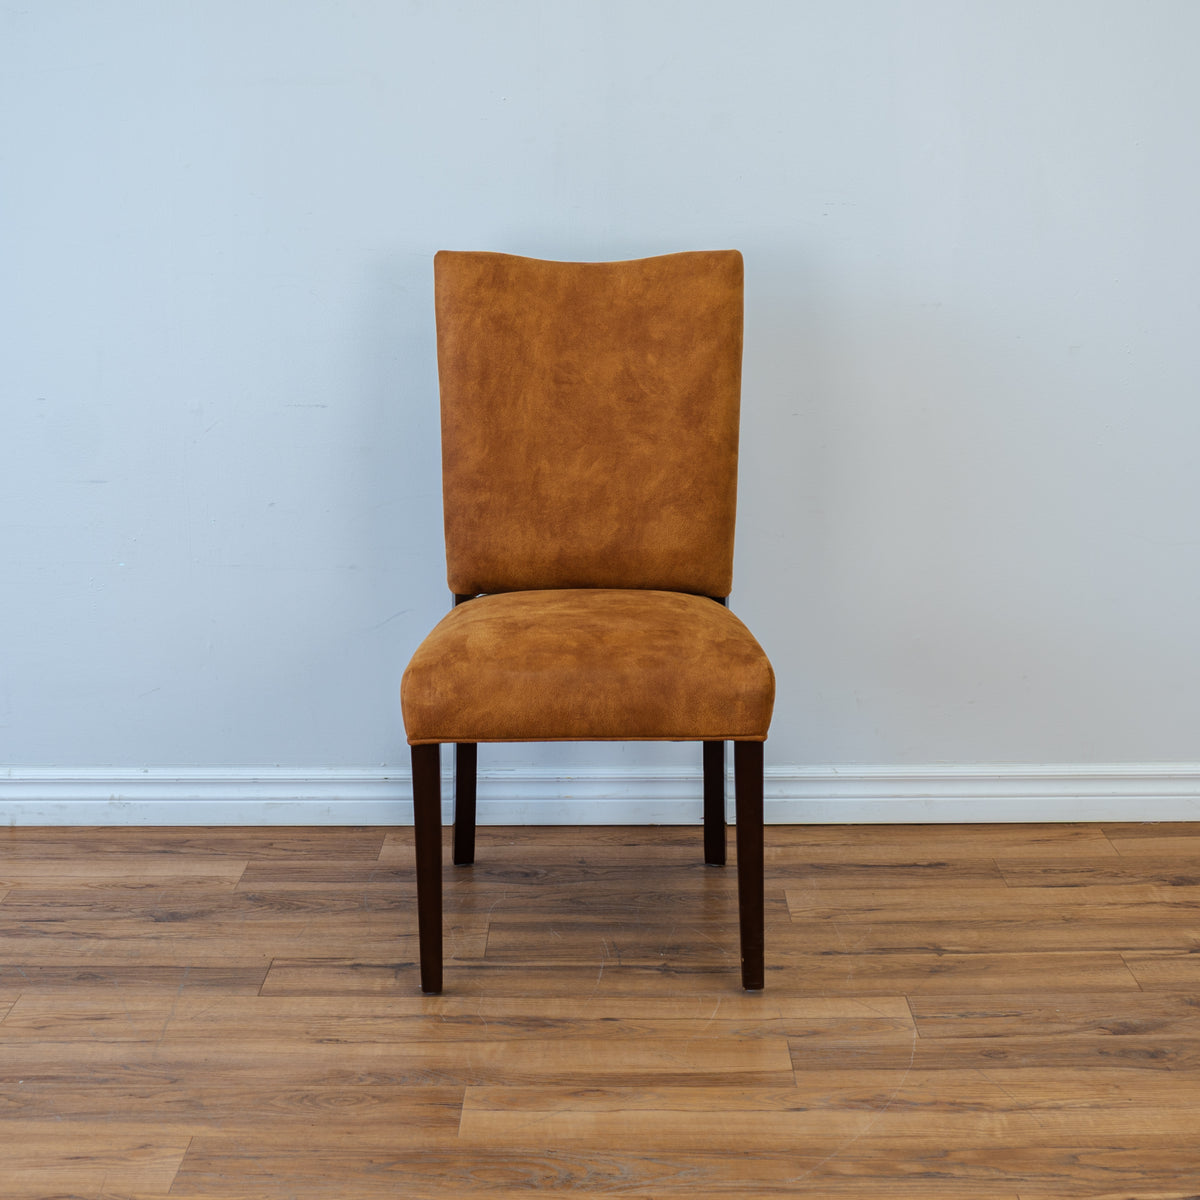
<point>589,471</point>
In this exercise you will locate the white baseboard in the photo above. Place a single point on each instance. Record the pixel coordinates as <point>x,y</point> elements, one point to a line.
<point>808,795</point>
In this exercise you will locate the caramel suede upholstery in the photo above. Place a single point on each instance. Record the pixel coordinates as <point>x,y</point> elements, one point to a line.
<point>589,421</point>
<point>589,474</point>
<point>588,666</point>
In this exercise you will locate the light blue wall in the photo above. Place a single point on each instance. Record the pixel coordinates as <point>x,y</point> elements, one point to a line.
<point>968,524</point>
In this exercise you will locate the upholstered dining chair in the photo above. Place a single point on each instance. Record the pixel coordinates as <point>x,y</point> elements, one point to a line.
<point>589,470</point>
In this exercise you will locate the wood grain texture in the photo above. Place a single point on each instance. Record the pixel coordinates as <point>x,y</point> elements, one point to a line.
<point>1172,969</point>
<point>992,1013</point>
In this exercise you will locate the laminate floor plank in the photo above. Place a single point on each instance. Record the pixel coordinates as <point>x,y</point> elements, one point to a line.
<point>218,1167</point>
<point>1054,932</point>
<point>108,980</point>
<point>474,976</point>
<point>119,907</point>
<point>215,947</point>
<point>1079,1054</point>
<point>55,844</point>
<point>684,942</point>
<point>489,872</point>
<point>579,906</point>
<point>1172,969</point>
<point>628,872</point>
<point>869,1090</point>
<point>1131,872</point>
<point>1097,918</point>
<point>862,974</point>
<point>838,875</point>
<point>166,1020</point>
<point>49,1158</point>
<point>1062,1014</point>
<point>826,1130</point>
<point>549,848</point>
<point>1182,848</point>
<point>934,843</point>
<point>85,869</point>
<point>218,1106</point>
<point>861,966</point>
<point>655,1005</point>
<point>1139,841</point>
<point>214,952</point>
<point>206,929</point>
<point>1097,903</point>
<point>444,1062</point>
<point>1149,829</point>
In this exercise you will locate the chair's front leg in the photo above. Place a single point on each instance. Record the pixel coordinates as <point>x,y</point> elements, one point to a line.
<point>466,756</point>
<point>427,835</point>
<point>748,789</point>
<point>714,803</point>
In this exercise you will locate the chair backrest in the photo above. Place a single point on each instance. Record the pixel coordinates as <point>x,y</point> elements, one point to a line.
<point>589,421</point>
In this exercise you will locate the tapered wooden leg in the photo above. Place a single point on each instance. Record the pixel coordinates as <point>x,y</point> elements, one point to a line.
<point>714,803</point>
<point>427,834</point>
<point>748,788</point>
<point>465,758</point>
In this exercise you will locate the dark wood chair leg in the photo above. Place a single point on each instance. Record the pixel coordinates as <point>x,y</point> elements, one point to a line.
<point>427,834</point>
<point>466,756</point>
<point>748,788</point>
<point>714,803</point>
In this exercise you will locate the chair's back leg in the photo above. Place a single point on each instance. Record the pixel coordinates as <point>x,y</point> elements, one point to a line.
<point>466,755</point>
<point>714,803</point>
<point>748,789</point>
<point>427,835</point>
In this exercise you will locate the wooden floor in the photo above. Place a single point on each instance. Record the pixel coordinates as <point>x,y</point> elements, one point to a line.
<point>1001,1012</point>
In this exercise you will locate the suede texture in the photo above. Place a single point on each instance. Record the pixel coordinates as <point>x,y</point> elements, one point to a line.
<point>588,665</point>
<point>589,421</point>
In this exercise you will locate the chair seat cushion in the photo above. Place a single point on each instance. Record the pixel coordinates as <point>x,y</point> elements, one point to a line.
<point>588,665</point>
